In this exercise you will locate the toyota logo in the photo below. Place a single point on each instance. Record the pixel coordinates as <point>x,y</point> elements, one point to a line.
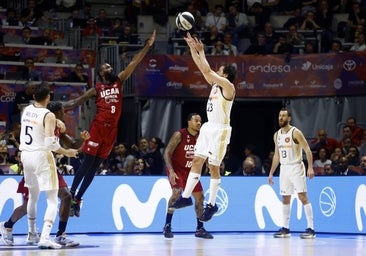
<point>349,65</point>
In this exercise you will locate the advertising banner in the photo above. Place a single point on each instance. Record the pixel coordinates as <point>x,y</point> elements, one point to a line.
<point>312,75</point>
<point>139,203</point>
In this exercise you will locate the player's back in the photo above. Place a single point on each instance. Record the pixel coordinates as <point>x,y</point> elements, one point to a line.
<point>32,131</point>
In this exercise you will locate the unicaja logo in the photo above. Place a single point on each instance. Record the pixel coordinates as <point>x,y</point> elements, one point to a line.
<point>306,66</point>
<point>327,201</point>
<point>222,201</point>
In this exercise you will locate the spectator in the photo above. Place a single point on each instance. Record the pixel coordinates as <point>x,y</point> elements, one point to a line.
<point>22,99</point>
<point>196,14</point>
<point>294,38</point>
<point>321,161</point>
<point>328,170</point>
<point>12,18</point>
<point>91,28</point>
<point>103,22</point>
<point>141,167</point>
<point>29,72</point>
<point>357,132</point>
<point>322,141</point>
<point>249,151</point>
<point>229,48</point>
<point>77,75</point>
<point>210,38</point>
<point>359,45</point>
<point>231,160</point>
<point>116,30</point>
<point>342,168</point>
<point>259,46</point>
<point>267,162</point>
<point>336,46</point>
<point>44,39</point>
<point>261,15</point>
<point>336,155</point>
<point>238,24</point>
<point>154,157</point>
<point>27,35</point>
<point>324,18</point>
<point>217,19</point>
<point>356,16</point>
<point>121,161</point>
<point>4,56</point>
<point>127,36</point>
<point>282,46</point>
<point>310,47</point>
<point>353,156</point>
<point>297,19</point>
<point>218,50</point>
<point>271,37</point>
<point>32,15</point>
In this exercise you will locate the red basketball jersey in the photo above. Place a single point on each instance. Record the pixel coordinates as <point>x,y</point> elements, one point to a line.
<point>108,102</point>
<point>183,154</point>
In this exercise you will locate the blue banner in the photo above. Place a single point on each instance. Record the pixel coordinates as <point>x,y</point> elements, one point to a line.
<point>138,204</point>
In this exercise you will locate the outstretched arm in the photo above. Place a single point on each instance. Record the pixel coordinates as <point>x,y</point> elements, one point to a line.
<point>198,54</point>
<point>70,104</point>
<point>124,74</point>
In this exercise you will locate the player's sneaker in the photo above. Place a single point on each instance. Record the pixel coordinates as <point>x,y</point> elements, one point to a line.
<point>181,203</point>
<point>202,233</point>
<point>6,234</point>
<point>309,234</point>
<point>208,212</point>
<point>47,243</point>
<point>32,238</point>
<point>282,233</point>
<point>64,241</point>
<point>167,231</point>
<point>75,206</point>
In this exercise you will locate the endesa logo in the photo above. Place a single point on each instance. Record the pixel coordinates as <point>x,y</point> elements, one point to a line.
<point>269,68</point>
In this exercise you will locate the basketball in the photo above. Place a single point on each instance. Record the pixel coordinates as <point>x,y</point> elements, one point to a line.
<point>184,21</point>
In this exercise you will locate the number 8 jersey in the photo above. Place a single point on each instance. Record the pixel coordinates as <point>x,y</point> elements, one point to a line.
<point>108,102</point>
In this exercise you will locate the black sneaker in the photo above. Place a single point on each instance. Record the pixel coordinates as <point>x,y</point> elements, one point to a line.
<point>309,234</point>
<point>167,231</point>
<point>282,233</point>
<point>75,207</point>
<point>202,233</point>
<point>208,212</point>
<point>181,203</point>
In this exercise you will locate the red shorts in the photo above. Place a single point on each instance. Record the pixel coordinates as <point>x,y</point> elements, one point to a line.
<point>102,139</point>
<point>24,190</point>
<point>182,181</point>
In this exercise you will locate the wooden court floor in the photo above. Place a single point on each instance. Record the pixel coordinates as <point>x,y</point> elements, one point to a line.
<point>185,244</point>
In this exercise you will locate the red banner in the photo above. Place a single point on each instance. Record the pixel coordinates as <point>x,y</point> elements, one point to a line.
<point>312,75</point>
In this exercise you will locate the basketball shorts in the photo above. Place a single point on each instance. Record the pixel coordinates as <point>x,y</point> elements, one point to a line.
<point>40,170</point>
<point>212,142</point>
<point>102,139</point>
<point>292,179</point>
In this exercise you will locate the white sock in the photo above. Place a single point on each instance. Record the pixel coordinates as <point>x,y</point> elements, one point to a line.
<point>192,180</point>
<point>286,209</point>
<point>309,215</point>
<point>46,231</point>
<point>214,188</point>
<point>32,227</point>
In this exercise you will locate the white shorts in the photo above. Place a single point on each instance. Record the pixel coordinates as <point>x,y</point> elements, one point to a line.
<point>39,170</point>
<point>292,178</point>
<point>212,142</point>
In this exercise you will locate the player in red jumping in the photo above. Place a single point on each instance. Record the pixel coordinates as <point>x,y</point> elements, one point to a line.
<point>178,157</point>
<point>103,129</point>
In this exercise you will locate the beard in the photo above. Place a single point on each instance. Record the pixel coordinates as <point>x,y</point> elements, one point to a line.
<point>283,123</point>
<point>110,77</point>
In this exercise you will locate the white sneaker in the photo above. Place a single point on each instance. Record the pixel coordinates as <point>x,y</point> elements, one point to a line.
<point>6,234</point>
<point>47,243</point>
<point>32,238</point>
<point>62,240</point>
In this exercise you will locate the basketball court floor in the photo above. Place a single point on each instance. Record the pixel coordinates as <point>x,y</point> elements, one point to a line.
<point>185,244</point>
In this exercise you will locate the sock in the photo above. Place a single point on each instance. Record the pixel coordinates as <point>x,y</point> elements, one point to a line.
<point>286,215</point>
<point>9,224</point>
<point>309,215</point>
<point>46,231</point>
<point>214,188</point>
<point>61,228</point>
<point>168,219</point>
<point>192,180</point>
<point>199,224</point>
<point>32,225</point>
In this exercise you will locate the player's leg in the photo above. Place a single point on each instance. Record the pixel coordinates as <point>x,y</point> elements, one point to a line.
<point>167,230</point>
<point>65,197</point>
<point>199,198</point>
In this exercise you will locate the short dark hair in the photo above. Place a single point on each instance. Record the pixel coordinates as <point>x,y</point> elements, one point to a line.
<point>230,71</point>
<point>54,106</point>
<point>41,92</point>
<point>190,115</point>
<point>288,112</point>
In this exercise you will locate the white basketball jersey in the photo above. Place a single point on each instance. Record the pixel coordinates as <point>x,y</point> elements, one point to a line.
<point>290,152</point>
<point>32,131</point>
<point>218,108</point>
